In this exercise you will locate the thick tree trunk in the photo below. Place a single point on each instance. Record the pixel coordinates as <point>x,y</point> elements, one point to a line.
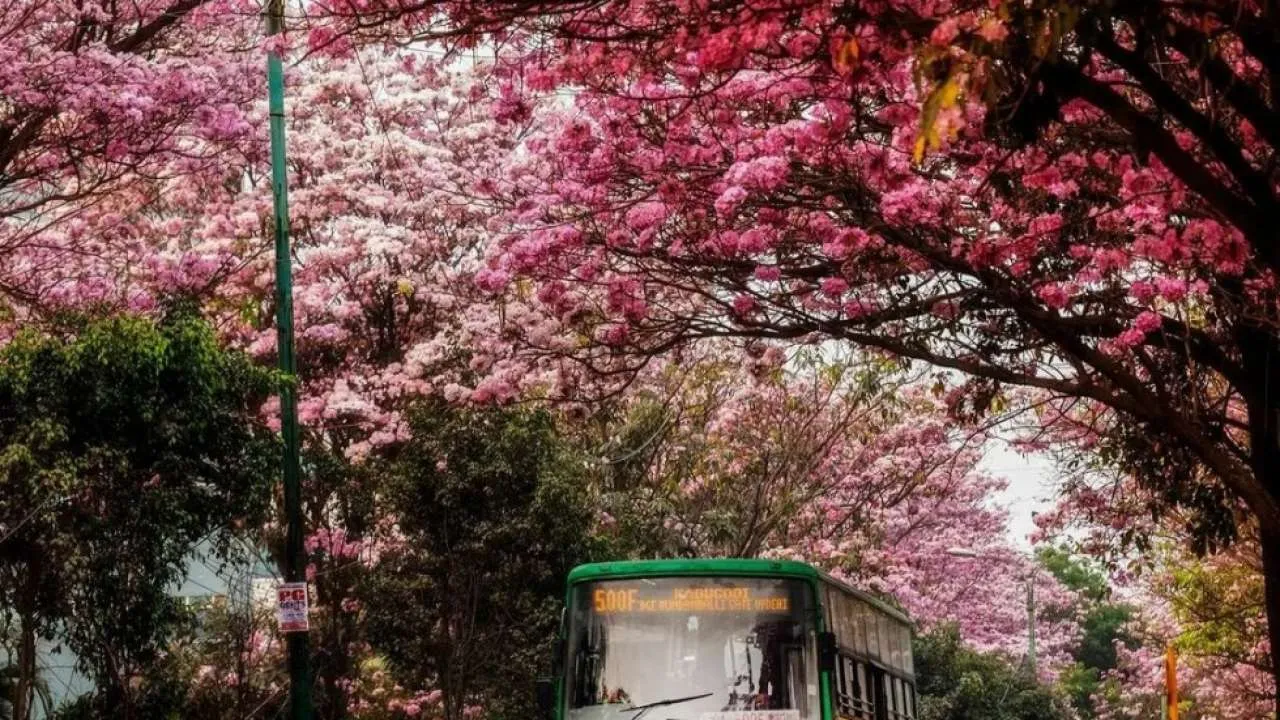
<point>1271,572</point>
<point>1269,536</point>
<point>1267,465</point>
<point>1261,360</point>
<point>23,691</point>
<point>115,695</point>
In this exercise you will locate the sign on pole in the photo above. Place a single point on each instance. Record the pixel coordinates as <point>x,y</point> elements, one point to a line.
<point>291,607</point>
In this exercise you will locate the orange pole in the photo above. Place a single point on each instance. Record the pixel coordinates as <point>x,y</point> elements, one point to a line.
<point>1171,681</point>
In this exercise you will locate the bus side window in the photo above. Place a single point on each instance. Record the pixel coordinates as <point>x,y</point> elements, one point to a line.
<point>897,698</point>
<point>854,692</point>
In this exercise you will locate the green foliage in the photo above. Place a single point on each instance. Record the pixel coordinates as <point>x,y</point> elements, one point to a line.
<point>1082,685</point>
<point>958,683</point>
<point>222,663</point>
<point>495,512</point>
<point>1102,622</point>
<point>1071,571</point>
<point>123,443</point>
<point>1103,627</point>
<point>1219,606</point>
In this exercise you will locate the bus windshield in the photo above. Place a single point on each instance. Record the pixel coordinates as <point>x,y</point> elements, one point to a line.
<point>692,648</point>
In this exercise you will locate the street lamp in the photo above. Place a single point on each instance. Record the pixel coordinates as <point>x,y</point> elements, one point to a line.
<point>963,552</point>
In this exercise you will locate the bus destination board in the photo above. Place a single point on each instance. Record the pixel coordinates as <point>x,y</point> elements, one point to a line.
<point>631,599</point>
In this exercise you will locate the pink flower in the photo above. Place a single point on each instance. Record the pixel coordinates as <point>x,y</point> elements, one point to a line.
<point>615,334</point>
<point>945,32</point>
<point>319,37</point>
<point>948,310</point>
<point>1129,338</point>
<point>768,273</point>
<point>1171,289</point>
<point>754,240</point>
<point>646,215</point>
<point>494,390</point>
<point>492,281</point>
<point>993,30</point>
<point>762,173</point>
<point>1054,295</point>
<point>834,286</point>
<point>858,308</point>
<point>1148,322</point>
<point>1142,291</point>
<point>729,200</point>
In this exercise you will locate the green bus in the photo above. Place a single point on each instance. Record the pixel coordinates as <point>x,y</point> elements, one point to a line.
<point>726,640</point>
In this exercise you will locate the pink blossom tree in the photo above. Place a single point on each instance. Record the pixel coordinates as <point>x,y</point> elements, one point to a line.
<point>1211,608</point>
<point>385,152</point>
<point>1073,199</point>
<point>848,464</point>
<point>103,101</point>
<point>1031,197</point>
<point>386,149</point>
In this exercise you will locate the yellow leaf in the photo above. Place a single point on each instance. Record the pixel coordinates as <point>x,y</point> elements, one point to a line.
<point>846,57</point>
<point>917,155</point>
<point>1045,37</point>
<point>524,288</point>
<point>949,93</point>
<point>999,404</point>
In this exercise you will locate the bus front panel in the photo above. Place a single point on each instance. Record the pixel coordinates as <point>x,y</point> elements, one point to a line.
<point>692,648</point>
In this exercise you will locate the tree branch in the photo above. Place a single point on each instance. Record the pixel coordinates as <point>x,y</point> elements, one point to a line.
<point>1232,207</point>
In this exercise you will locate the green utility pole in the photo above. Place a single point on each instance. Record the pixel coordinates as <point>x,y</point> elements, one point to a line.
<point>294,562</point>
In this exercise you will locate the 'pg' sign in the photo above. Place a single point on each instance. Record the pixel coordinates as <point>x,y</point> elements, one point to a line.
<point>291,607</point>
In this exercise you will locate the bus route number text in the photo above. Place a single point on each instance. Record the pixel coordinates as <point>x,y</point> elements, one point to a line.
<point>680,600</point>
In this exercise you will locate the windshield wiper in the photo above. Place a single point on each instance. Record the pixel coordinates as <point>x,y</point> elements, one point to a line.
<point>662,703</point>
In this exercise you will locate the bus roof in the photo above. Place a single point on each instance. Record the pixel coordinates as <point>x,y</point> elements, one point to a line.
<point>747,567</point>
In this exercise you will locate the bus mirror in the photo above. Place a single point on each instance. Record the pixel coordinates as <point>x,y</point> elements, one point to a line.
<point>545,690</point>
<point>827,652</point>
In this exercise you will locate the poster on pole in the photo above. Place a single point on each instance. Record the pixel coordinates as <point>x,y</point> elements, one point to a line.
<point>291,607</point>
